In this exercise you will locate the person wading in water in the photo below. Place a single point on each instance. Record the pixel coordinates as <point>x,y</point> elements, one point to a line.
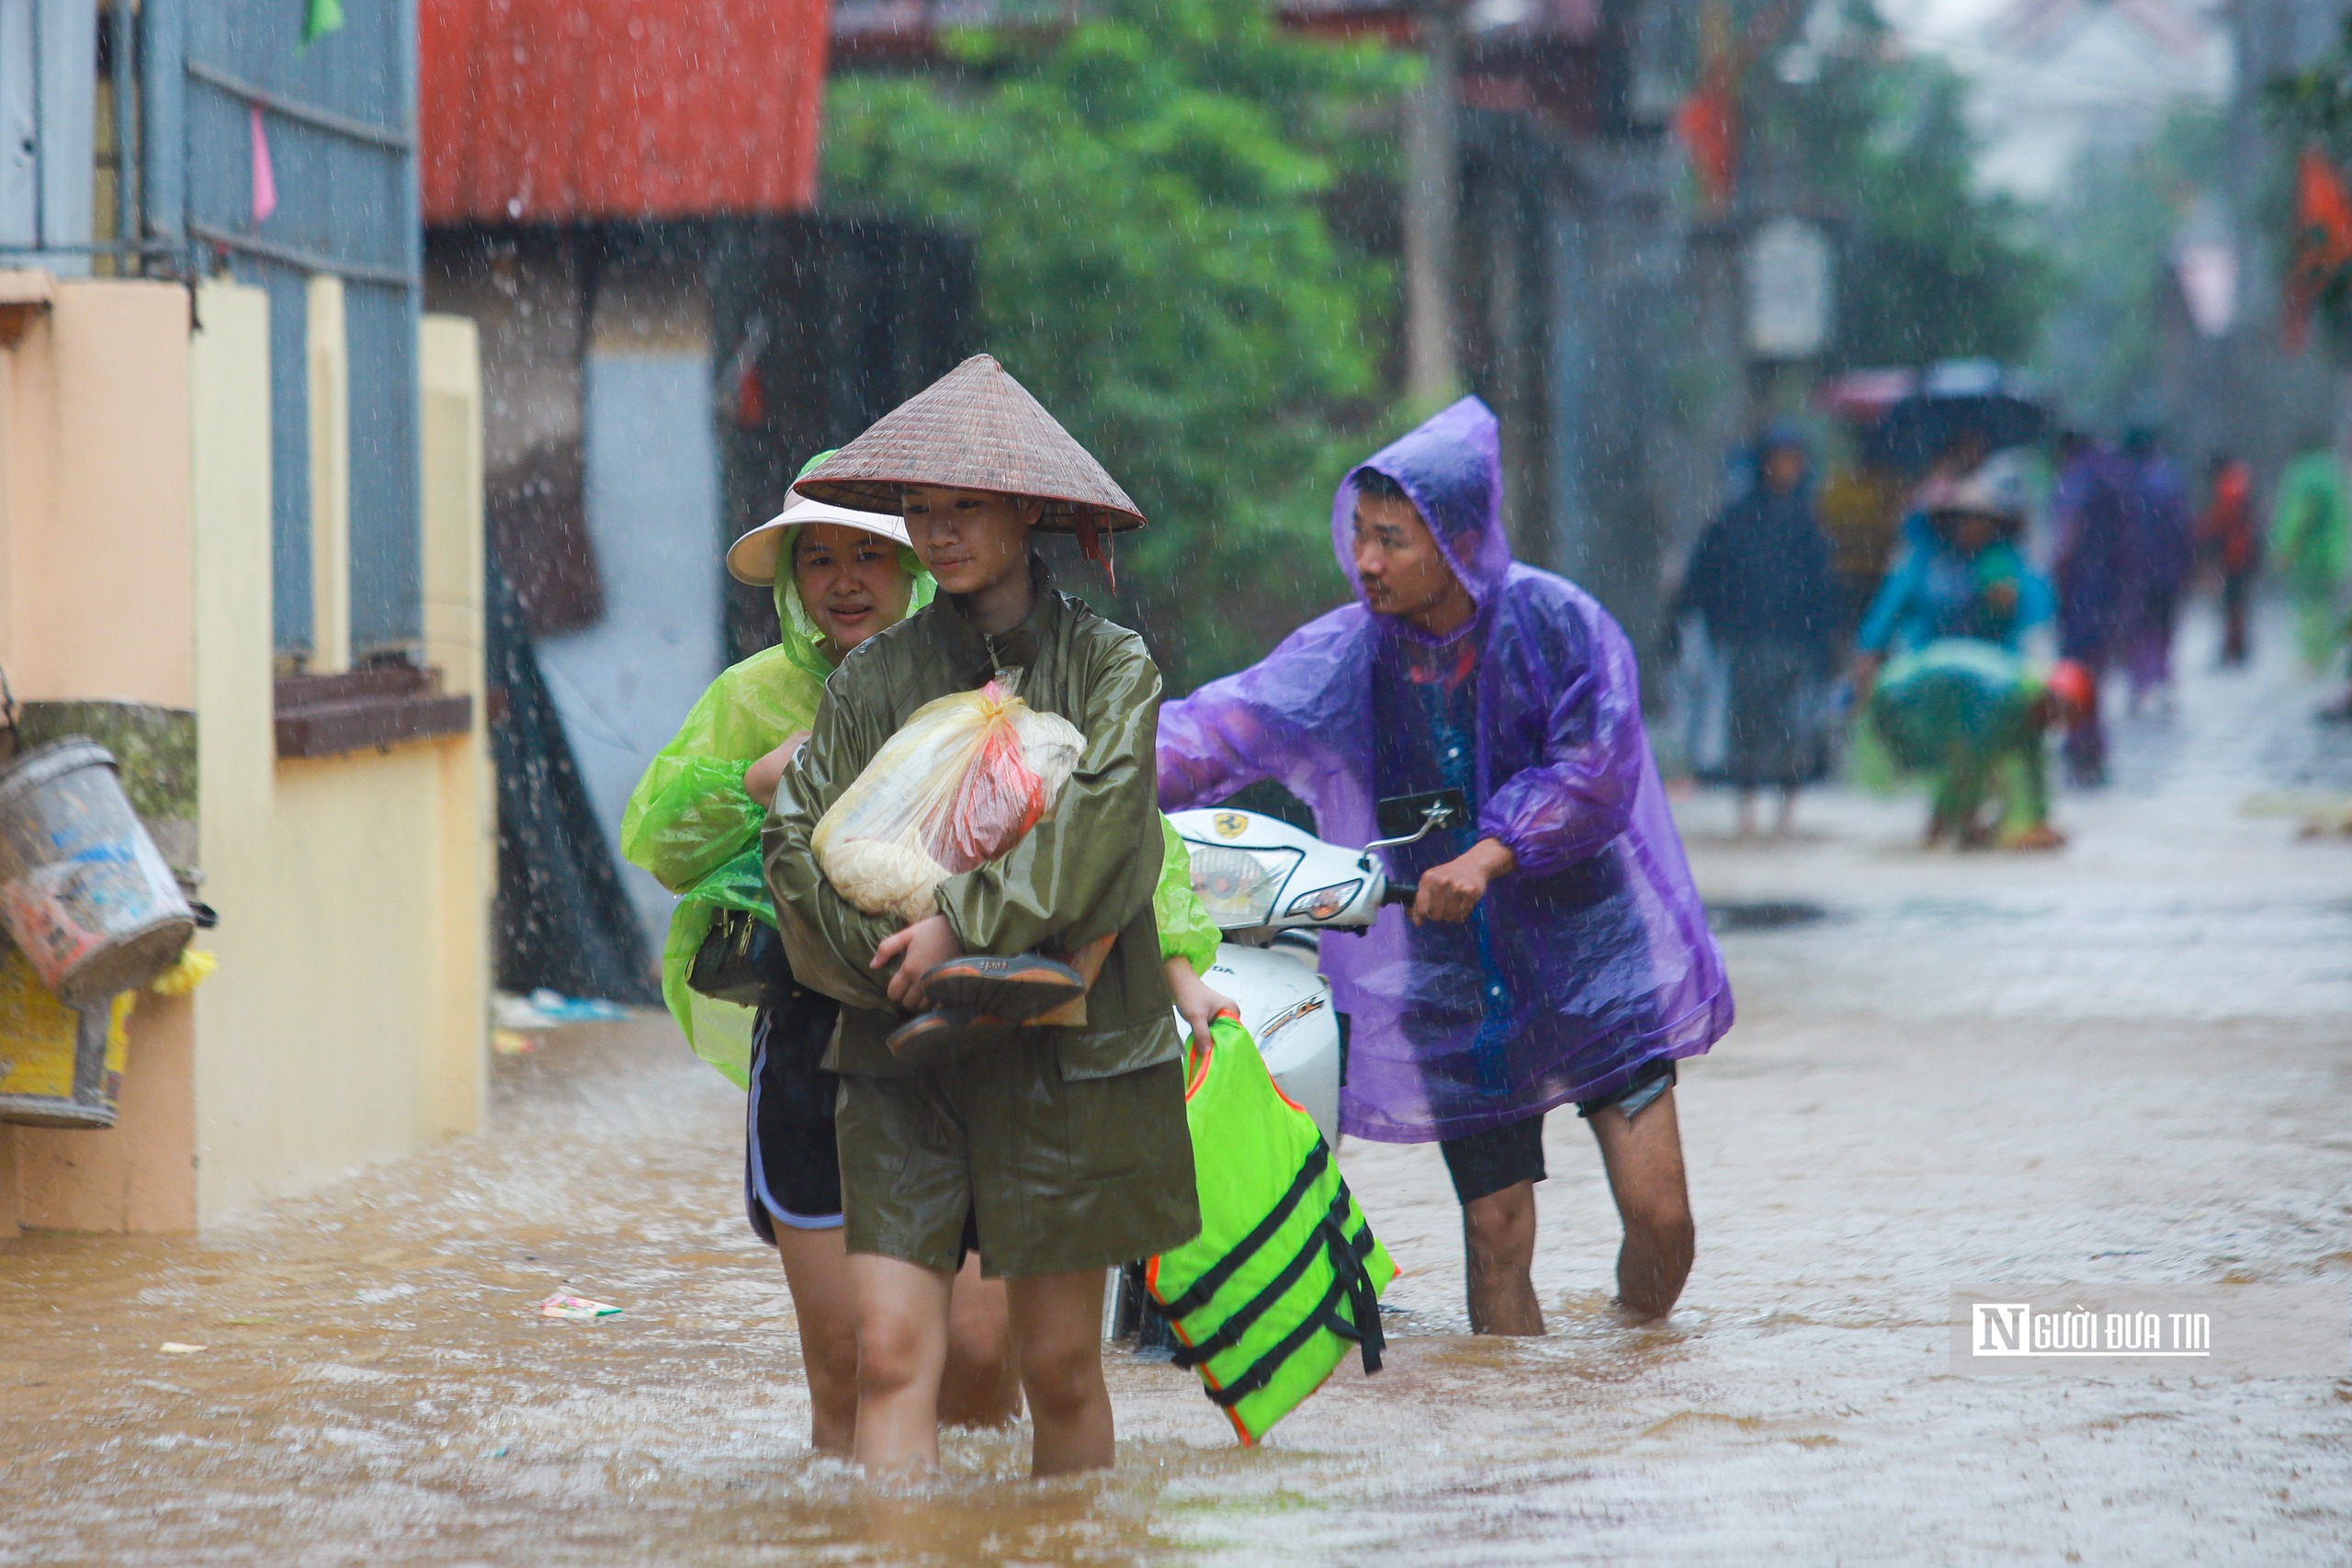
<point>1557,952</point>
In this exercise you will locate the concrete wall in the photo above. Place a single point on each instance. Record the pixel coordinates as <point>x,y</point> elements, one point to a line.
<point>348,1018</point>
<point>95,602</point>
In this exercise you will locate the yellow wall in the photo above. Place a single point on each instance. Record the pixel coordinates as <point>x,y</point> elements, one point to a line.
<point>450,372</point>
<point>348,1020</point>
<point>95,602</point>
<point>93,485</point>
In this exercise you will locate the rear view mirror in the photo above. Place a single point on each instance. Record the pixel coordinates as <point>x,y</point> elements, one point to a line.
<point>1409,816</point>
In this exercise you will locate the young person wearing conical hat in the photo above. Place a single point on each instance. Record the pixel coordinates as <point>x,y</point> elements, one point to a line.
<point>839,576</point>
<point>1054,1152</point>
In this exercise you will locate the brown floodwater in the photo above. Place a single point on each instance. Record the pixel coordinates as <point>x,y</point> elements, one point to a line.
<point>2130,1062</point>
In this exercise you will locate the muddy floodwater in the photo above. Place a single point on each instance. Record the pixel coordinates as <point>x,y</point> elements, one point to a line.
<point>2129,1062</point>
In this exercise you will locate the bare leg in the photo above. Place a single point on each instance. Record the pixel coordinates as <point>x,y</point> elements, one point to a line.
<point>982,1387</point>
<point>1744,814</point>
<point>816,1271</point>
<point>1499,1250</point>
<point>1057,1340</point>
<point>1643,1158</point>
<point>901,1351</point>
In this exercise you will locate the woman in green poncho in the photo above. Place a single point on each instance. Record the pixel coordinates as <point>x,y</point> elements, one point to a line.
<point>839,577</point>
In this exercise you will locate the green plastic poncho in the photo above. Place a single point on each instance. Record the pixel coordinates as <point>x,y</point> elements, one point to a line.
<point>693,825</point>
<point>697,829</point>
<point>1963,712</point>
<point>2311,547</point>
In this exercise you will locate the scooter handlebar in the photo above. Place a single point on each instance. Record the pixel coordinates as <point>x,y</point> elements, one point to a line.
<point>1401,893</point>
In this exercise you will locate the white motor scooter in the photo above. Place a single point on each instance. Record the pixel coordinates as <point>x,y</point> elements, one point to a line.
<point>1273,890</point>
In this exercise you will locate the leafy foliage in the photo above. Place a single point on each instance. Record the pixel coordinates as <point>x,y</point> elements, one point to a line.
<point>1931,267</point>
<point>1148,186</point>
<point>2111,234</point>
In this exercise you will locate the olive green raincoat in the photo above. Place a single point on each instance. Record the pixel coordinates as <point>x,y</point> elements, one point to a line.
<point>693,825</point>
<point>1086,871</point>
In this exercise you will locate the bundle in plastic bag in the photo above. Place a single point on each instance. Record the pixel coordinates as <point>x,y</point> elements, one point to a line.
<point>959,784</point>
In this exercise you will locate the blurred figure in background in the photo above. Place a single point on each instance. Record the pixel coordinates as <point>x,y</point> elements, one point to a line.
<point>2158,566</point>
<point>2090,527</point>
<point>1972,716</point>
<point>2310,542</point>
<point>1960,575</point>
<point>1761,578</point>
<point>2226,536</point>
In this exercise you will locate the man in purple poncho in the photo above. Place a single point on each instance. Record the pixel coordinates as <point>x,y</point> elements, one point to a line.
<point>1556,952</point>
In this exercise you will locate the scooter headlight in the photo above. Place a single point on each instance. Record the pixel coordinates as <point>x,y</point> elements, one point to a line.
<point>1240,887</point>
<point>1323,902</point>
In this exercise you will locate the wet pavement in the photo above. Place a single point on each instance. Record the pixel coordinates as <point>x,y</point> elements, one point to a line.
<point>2132,1061</point>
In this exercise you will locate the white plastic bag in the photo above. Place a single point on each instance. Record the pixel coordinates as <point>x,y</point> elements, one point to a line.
<point>959,784</point>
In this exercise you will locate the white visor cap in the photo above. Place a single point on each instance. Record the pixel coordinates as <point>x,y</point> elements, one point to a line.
<point>752,557</point>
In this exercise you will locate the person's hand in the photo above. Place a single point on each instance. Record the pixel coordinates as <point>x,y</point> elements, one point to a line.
<point>2002,596</point>
<point>1450,891</point>
<point>762,777</point>
<point>1196,1001</point>
<point>919,949</point>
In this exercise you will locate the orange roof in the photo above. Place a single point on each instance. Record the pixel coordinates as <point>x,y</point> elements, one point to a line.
<point>573,111</point>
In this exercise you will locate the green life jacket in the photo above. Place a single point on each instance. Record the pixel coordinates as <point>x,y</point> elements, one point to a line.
<point>1286,1275</point>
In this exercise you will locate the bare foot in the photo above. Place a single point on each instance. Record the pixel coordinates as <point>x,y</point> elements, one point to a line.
<point>2041,836</point>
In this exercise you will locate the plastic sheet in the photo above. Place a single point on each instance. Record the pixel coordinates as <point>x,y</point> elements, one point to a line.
<point>959,784</point>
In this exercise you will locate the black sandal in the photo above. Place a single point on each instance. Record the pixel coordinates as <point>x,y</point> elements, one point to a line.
<point>1013,990</point>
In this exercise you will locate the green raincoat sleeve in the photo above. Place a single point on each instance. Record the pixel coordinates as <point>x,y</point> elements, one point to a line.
<point>693,826</point>
<point>690,814</point>
<point>1075,876</point>
<point>1185,930</point>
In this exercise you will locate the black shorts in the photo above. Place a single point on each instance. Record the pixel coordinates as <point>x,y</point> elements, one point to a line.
<point>1482,1164</point>
<point>792,1168</point>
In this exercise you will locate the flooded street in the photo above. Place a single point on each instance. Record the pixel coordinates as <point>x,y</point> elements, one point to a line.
<point>2128,1061</point>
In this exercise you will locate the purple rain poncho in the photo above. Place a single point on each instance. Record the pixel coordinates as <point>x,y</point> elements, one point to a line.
<point>1590,960</point>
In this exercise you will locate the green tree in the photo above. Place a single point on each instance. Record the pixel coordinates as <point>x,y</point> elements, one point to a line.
<point>1148,190</point>
<point>2110,233</point>
<point>1931,267</point>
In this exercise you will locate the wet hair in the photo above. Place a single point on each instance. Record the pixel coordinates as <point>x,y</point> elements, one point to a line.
<point>1373,483</point>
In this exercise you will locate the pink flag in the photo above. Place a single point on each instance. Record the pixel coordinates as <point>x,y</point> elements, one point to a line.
<point>264,179</point>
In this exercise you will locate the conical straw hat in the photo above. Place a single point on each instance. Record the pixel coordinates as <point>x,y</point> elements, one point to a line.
<point>975,428</point>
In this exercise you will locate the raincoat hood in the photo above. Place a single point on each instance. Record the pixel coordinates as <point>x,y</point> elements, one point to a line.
<point>1451,467</point>
<point>763,558</point>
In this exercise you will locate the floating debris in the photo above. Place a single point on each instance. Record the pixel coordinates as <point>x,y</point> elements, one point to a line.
<point>576,1308</point>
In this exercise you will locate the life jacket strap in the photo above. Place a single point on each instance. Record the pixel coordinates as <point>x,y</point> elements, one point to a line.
<point>1201,1291</point>
<point>1350,1281</point>
<point>1229,1333</point>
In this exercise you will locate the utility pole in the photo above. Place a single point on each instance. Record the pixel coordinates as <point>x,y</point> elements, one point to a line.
<point>1432,194</point>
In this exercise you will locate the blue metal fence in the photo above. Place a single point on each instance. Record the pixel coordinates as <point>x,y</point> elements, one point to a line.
<point>339,118</point>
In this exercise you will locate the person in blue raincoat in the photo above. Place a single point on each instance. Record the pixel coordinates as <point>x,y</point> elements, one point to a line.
<point>1960,575</point>
<point>1556,952</point>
